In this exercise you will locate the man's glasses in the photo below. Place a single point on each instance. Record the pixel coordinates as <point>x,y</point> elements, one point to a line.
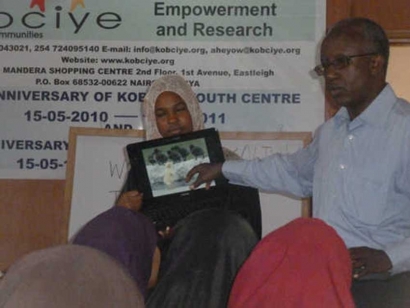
<point>339,63</point>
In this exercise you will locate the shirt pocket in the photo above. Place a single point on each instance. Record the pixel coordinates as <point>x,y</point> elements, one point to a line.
<point>366,198</point>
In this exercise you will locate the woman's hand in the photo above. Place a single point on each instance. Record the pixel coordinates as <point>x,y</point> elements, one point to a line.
<point>166,233</point>
<point>131,200</point>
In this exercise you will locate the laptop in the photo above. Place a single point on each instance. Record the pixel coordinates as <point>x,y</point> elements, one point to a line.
<point>159,168</point>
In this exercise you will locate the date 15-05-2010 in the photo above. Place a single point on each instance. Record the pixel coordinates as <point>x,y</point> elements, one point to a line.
<point>41,163</point>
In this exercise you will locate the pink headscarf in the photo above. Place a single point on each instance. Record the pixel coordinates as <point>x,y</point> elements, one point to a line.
<point>303,264</point>
<point>178,85</point>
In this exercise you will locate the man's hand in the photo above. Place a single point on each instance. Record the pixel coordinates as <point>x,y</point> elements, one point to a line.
<point>131,200</point>
<point>206,174</point>
<point>367,260</point>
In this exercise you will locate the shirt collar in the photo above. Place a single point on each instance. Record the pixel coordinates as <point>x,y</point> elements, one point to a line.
<point>376,113</point>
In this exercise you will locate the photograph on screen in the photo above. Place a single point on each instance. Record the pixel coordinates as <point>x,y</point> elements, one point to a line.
<point>167,165</point>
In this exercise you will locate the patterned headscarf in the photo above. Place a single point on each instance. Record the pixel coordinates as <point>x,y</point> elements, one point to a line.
<point>178,85</point>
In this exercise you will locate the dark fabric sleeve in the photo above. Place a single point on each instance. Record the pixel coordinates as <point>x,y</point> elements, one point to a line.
<point>130,183</point>
<point>245,201</point>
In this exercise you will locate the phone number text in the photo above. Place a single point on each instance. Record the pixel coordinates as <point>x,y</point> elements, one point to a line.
<point>49,48</point>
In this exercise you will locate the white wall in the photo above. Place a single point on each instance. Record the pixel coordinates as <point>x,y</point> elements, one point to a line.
<point>398,73</point>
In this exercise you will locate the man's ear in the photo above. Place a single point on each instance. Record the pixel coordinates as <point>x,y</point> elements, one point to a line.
<point>377,64</point>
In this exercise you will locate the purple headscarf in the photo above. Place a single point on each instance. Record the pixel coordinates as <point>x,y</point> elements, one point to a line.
<point>128,237</point>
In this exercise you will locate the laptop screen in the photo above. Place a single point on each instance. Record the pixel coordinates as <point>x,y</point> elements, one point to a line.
<point>160,165</point>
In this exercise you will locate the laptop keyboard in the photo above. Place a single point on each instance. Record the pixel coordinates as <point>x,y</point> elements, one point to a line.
<point>167,215</point>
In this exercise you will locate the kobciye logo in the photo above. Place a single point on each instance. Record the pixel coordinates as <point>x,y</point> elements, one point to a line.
<point>44,15</point>
<point>41,4</point>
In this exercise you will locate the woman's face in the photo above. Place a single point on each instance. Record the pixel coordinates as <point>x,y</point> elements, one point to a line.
<point>172,115</point>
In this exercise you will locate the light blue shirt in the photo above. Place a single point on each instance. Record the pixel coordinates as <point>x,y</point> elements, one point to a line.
<point>358,173</point>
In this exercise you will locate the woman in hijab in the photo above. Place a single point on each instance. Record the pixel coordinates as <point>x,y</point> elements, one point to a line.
<point>205,254</point>
<point>302,264</point>
<point>68,276</point>
<point>171,108</point>
<point>208,246</point>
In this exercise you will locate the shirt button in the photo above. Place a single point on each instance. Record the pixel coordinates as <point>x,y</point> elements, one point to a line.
<point>342,166</point>
<point>350,137</point>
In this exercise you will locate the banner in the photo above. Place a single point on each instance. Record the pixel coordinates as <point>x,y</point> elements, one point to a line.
<point>89,63</point>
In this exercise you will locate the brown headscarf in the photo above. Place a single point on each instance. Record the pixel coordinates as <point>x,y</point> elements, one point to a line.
<point>178,85</point>
<point>68,276</point>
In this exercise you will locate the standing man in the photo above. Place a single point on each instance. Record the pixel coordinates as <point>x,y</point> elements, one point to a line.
<point>357,167</point>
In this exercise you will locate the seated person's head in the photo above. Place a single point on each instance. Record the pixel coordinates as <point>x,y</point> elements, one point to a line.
<point>68,276</point>
<point>171,108</point>
<point>172,115</point>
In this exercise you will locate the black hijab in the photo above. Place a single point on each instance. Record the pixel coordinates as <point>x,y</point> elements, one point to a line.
<point>205,254</point>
